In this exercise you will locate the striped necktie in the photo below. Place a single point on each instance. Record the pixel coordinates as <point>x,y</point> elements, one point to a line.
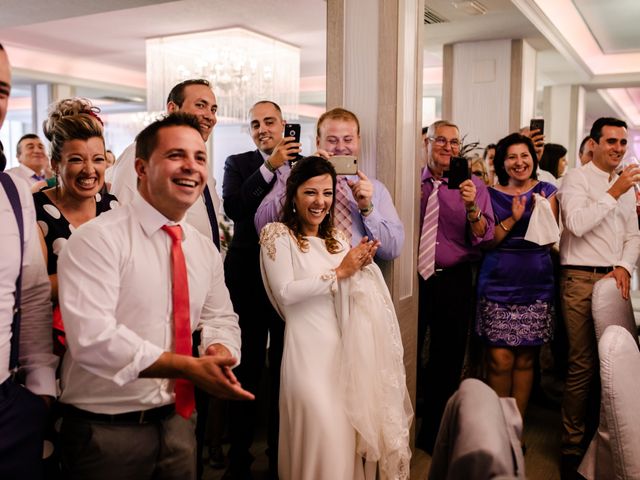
<point>427,248</point>
<point>342,210</point>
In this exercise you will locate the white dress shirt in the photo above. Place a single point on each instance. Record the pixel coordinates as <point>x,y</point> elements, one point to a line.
<point>598,229</point>
<point>36,346</point>
<point>24,172</point>
<point>114,279</point>
<point>124,186</point>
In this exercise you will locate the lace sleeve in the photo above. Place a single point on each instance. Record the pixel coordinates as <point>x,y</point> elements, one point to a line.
<point>284,282</point>
<point>268,237</point>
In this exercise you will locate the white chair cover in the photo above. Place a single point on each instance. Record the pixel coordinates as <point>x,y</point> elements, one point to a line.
<point>608,308</point>
<point>479,436</point>
<point>619,366</point>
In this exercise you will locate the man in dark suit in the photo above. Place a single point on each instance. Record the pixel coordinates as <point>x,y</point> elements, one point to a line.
<point>248,177</point>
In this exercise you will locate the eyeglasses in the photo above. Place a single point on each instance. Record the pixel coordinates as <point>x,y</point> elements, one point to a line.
<point>478,173</point>
<point>442,141</point>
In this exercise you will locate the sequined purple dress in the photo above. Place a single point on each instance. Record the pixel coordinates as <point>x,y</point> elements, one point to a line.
<point>515,283</point>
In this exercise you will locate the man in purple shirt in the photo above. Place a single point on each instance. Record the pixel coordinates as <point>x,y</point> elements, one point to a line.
<point>446,298</point>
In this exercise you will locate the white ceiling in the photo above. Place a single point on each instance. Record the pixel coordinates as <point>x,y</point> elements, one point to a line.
<point>106,32</point>
<point>112,33</point>
<point>614,24</point>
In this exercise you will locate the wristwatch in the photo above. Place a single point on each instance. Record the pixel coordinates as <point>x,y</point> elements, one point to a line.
<point>478,217</point>
<point>367,211</point>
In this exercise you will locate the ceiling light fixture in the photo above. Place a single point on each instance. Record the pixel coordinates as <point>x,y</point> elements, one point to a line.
<point>470,7</point>
<point>243,67</point>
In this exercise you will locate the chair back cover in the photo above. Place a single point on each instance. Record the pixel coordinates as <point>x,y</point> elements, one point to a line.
<point>479,436</point>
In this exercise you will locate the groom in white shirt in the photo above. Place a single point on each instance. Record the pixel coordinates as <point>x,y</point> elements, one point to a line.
<point>600,239</point>
<point>118,277</point>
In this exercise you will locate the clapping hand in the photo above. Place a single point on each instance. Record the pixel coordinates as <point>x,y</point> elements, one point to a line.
<point>213,374</point>
<point>518,205</point>
<point>358,257</point>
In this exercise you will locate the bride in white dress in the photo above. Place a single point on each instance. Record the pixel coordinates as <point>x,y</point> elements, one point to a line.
<point>344,408</point>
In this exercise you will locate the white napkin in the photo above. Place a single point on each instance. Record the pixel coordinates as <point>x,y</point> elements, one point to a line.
<point>543,228</point>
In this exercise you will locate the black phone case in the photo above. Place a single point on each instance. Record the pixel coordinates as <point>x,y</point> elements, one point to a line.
<point>537,124</point>
<point>292,130</point>
<point>458,172</point>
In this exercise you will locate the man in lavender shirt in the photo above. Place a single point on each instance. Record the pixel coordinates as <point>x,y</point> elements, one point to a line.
<point>446,298</point>
<point>372,211</point>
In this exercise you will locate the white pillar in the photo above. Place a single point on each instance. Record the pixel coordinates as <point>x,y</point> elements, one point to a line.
<point>564,113</point>
<point>489,87</point>
<point>374,68</point>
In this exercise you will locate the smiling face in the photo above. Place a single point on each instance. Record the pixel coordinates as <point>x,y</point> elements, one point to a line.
<point>200,101</point>
<point>175,174</point>
<point>267,126</point>
<point>32,154</point>
<point>518,163</point>
<point>339,137</point>
<point>81,167</point>
<point>5,85</point>
<point>444,145</point>
<point>312,202</point>
<point>608,152</point>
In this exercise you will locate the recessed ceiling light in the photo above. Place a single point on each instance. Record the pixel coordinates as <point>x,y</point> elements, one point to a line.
<point>470,7</point>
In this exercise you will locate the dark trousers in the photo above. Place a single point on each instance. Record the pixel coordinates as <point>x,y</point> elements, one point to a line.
<point>202,407</point>
<point>158,450</point>
<point>22,421</point>
<point>446,305</point>
<point>257,320</point>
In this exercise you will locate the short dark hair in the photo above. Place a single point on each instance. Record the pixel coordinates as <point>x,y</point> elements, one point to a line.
<point>147,139</point>
<point>551,156</point>
<point>486,150</point>
<point>26,136</point>
<point>275,105</point>
<point>176,95</point>
<point>501,155</point>
<point>596,128</point>
<point>302,171</point>
<point>583,143</point>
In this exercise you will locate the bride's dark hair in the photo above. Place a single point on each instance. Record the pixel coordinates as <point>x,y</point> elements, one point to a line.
<point>302,171</point>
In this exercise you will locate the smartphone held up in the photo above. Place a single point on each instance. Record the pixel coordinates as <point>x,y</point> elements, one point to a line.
<point>459,171</point>
<point>344,164</point>
<point>292,130</point>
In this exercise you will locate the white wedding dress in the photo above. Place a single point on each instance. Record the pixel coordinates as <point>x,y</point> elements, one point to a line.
<point>317,439</point>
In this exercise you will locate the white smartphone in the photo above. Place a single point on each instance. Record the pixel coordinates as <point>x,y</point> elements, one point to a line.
<point>345,164</point>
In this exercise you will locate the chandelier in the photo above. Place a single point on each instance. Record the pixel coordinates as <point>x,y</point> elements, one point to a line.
<point>243,67</point>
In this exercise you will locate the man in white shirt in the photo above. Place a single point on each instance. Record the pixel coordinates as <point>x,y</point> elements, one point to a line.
<point>22,410</point>
<point>115,278</point>
<point>600,239</point>
<point>33,159</point>
<point>196,97</point>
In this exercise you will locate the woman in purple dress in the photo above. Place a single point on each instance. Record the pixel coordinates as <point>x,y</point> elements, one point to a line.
<point>515,285</point>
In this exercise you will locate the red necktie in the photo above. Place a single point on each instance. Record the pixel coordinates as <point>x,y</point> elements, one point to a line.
<point>185,400</point>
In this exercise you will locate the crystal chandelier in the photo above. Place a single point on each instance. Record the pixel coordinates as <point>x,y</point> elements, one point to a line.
<point>242,66</point>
